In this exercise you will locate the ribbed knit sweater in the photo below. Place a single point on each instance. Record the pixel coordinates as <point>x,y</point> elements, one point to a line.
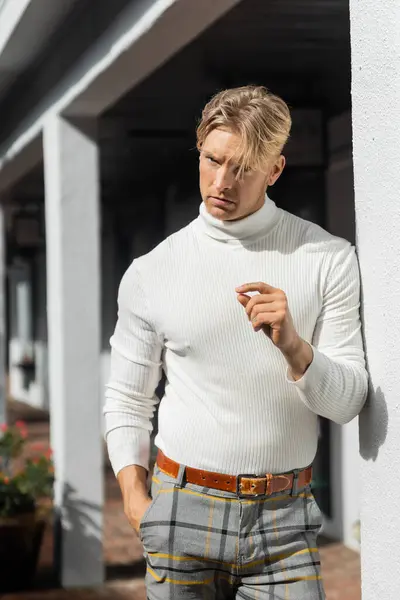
<point>230,405</point>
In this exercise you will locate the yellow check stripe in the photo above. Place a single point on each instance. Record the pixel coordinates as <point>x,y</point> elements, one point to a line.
<point>278,557</point>
<point>270,559</point>
<point>189,559</point>
<point>177,581</point>
<point>222,499</point>
<point>229,578</point>
<point>192,493</point>
<point>156,480</point>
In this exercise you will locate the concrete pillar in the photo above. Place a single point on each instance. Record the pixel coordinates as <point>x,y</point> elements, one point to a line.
<point>376,132</point>
<point>73,302</point>
<point>3,366</point>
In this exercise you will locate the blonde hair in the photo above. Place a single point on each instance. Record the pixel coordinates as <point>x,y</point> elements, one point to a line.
<point>261,119</point>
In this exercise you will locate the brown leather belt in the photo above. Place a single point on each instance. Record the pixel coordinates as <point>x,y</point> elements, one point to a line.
<point>242,485</point>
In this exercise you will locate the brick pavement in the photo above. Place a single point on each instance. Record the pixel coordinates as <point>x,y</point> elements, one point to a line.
<point>123,552</point>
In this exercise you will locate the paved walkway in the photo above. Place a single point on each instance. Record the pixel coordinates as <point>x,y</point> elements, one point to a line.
<point>123,552</point>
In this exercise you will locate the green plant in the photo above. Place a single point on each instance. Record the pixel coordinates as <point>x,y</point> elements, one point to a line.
<point>24,481</point>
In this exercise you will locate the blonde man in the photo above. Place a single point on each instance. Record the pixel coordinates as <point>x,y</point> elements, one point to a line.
<point>253,314</point>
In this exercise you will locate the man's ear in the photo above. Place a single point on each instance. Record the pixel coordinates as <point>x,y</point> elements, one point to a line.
<point>277,170</point>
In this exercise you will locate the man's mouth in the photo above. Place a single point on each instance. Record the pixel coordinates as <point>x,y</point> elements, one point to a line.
<point>220,201</point>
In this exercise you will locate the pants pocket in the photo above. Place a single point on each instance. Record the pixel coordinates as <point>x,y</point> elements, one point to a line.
<point>156,486</point>
<point>316,512</point>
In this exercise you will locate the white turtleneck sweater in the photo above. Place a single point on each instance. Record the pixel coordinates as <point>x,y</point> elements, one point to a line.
<point>229,404</point>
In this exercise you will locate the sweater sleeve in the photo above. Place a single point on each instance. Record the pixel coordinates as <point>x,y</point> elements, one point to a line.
<point>335,384</point>
<point>135,374</point>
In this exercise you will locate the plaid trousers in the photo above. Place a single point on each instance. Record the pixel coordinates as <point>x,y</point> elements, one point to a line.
<point>212,545</point>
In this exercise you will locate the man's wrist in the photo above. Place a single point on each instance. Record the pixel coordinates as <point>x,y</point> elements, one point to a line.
<point>133,479</point>
<point>299,357</point>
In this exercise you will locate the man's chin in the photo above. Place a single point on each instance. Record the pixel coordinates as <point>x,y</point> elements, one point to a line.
<point>223,214</point>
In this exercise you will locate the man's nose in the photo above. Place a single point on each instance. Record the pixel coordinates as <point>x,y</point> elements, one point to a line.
<point>223,179</point>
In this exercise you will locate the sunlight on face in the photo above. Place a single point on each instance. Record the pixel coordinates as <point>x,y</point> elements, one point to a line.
<point>225,196</point>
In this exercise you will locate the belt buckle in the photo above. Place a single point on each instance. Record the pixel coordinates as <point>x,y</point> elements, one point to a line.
<point>244,495</point>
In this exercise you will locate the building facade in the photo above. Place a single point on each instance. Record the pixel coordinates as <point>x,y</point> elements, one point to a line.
<point>97,165</point>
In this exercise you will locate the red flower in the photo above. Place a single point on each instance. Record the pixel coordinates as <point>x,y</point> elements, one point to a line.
<point>23,433</point>
<point>4,427</point>
<point>20,424</point>
<point>36,460</point>
<point>6,480</point>
<point>49,453</point>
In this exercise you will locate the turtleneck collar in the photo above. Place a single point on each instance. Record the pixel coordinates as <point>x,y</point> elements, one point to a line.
<point>249,229</point>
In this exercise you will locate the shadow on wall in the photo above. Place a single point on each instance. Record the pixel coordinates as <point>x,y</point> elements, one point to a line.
<point>374,418</point>
<point>374,421</point>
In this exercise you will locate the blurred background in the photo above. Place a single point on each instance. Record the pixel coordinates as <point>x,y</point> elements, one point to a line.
<point>99,102</point>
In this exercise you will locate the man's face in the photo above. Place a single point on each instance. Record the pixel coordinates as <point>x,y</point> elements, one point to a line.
<point>226,197</point>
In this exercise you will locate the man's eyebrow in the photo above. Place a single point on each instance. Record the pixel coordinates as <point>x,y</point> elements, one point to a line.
<point>231,161</point>
<point>214,155</point>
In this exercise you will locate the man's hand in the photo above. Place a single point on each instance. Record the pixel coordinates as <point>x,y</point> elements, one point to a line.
<point>269,311</point>
<point>133,484</point>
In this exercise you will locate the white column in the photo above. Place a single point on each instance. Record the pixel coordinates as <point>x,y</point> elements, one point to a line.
<point>3,366</point>
<point>376,131</point>
<point>73,302</point>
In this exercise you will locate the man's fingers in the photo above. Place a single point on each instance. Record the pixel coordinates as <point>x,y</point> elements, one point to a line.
<point>259,286</point>
<point>243,299</point>
<point>261,300</point>
<point>264,319</point>
<point>263,307</point>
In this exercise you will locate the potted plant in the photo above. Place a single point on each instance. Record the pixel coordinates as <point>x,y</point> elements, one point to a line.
<point>26,486</point>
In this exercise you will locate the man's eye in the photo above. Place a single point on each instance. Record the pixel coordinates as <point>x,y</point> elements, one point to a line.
<point>245,171</point>
<point>211,160</point>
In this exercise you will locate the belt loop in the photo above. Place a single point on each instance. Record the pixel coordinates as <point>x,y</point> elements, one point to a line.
<point>180,480</point>
<point>294,484</point>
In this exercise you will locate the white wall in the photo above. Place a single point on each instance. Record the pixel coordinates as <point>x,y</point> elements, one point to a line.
<point>375,39</point>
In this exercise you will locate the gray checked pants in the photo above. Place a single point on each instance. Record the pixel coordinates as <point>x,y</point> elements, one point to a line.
<point>207,544</point>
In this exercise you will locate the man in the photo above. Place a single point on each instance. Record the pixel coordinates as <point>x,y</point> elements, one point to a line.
<point>253,314</point>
